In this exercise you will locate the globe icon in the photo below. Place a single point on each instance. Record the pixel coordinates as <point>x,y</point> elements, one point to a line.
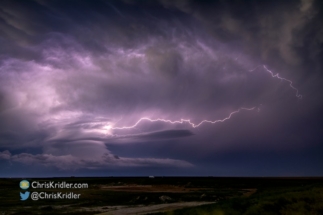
<point>24,184</point>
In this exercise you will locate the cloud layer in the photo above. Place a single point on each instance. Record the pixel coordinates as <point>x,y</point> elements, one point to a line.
<point>71,71</point>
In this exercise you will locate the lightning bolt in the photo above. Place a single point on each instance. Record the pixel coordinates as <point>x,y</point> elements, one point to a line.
<point>193,125</point>
<point>182,121</point>
<point>281,78</point>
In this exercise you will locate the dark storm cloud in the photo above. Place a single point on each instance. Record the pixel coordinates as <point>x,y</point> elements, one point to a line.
<point>116,139</point>
<point>166,134</point>
<point>148,137</point>
<point>107,160</point>
<point>72,71</point>
<point>289,29</point>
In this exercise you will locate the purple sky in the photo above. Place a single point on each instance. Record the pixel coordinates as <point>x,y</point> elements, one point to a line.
<point>72,73</point>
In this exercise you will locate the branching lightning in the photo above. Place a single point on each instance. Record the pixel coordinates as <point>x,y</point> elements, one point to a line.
<point>182,121</point>
<point>193,125</point>
<point>283,79</point>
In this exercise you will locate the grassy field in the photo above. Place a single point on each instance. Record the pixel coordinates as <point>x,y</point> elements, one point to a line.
<point>300,197</point>
<point>229,195</point>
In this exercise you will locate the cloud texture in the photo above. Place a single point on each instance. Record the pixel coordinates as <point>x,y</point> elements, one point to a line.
<point>72,71</point>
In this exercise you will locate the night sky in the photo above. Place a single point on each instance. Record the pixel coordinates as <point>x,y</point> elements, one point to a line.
<point>164,88</point>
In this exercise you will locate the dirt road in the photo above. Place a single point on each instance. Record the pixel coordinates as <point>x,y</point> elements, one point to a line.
<point>141,209</point>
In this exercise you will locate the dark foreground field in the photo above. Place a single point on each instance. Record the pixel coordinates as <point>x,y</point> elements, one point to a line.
<point>171,195</point>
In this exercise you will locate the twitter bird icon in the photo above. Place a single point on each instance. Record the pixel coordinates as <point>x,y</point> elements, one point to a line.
<point>24,196</point>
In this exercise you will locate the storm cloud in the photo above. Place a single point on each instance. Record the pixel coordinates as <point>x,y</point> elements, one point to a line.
<point>76,78</point>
